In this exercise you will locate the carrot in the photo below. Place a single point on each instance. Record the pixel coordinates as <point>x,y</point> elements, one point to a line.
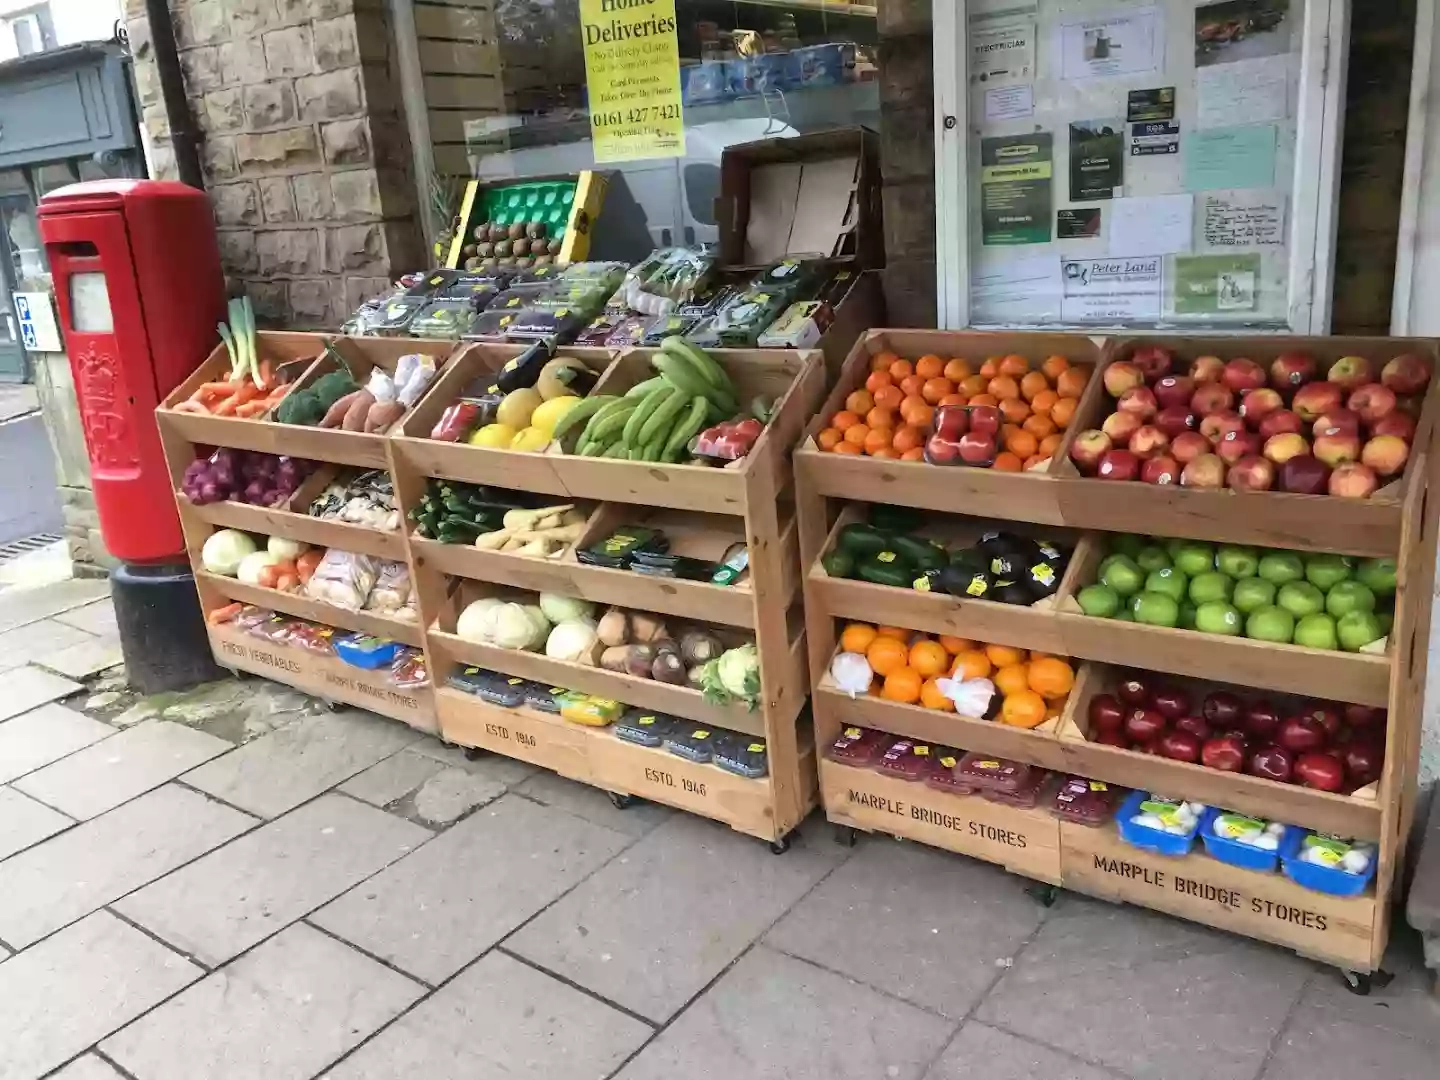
<point>252,408</point>
<point>246,392</point>
<point>223,614</point>
<point>208,390</point>
<point>306,564</point>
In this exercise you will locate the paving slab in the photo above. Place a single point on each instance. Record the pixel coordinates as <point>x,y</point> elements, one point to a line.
<point>71,991</point>
<point>772,1017</point>
<point>450,794</point>
<point>20,606</point>
<point>38,639</point>
<point>89,1067</point>
<point>657,924</point>
<point>1147,994</point>
<point>28,687</point>
<point>433,912</point>
<point>938,928</point>
<point>294,764</point>
<point>106,774</point>
<point>83,659</point>
<point>96,863</point>
<point>1320,1046</point>
<point>44,735</point>
<point>1405,1005</point>
<point>97,618</point>
<point>495,766</point>
<point>589,802</point>
<point>984,1051</point>
<point>284,1011</point>
<point>23,822</point>
<point>231,899</point>
<point>390,780</point>
<point>500,1020</point>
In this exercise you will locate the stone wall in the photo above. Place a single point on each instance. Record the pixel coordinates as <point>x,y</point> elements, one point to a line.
<point>305,151</point>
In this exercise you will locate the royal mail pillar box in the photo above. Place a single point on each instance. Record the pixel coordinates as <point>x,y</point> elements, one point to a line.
<point>138,285</point>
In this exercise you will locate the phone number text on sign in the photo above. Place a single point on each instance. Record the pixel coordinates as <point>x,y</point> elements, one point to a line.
<point>632,64</point>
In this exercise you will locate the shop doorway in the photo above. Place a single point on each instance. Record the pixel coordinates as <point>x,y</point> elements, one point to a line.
<point>21,257</point>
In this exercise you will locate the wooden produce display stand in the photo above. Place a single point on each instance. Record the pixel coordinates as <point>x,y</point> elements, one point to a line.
<point>1053,501</point>
<point>702,511</point>
<point>187,436</point>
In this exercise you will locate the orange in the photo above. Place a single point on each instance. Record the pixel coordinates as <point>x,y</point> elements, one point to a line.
<point>903,684</point>
<point>886,655</point>
<point>848,448</point>
<point>887,453</point>
<point>1032,384</point>
<point>915,412</point>
<point>1001,655</point>
<point>1042,402</point>
<point>844,420</point>
<point>829,437</point>
<point>917,454</point>
<point>856,434</point>
<point>984,399</point>
<point>901,369</point>
<point>912,385</point>
<point>953,399</point>
<point>1003,386</point>
<point>1063,412</point>
<point>990,368</point>
<point>896,632</point>
<point>860,402</point>
<point>907,437</point>
<point>878,439</point>
<point>1040,426</point>
<point>958,370</point>
<point>1071,382</point>
<point>1049,444</point>
<point>1008,462</point>
<point>880,416</point>
<point>889,397</point>
<point>974,384</point>
<point>1025,709</point>
<point>878,380</point>
<point>1014,365</point>
<point>935,389</point>
<point>881,361</point>
<point>1012,679</point>
<point>1054,367</point>
<point>932,698</point>
<point>857,637</point>
<point>929,658</point>
<point>954,645</point>
<point>1022,443</point>
<point>1051,678</point>
<point>970,664</point>
<point>929,366</point>
<point>1014,410</point>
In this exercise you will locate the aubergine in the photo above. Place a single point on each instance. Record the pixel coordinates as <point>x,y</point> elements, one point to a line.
<point>966,583</point>
<point>1042,578</point>
<point>1007,566</point>
<point>1013,592</point>
<point>524,370</point>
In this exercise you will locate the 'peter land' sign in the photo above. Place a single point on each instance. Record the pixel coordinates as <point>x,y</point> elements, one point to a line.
<point>632,64</point>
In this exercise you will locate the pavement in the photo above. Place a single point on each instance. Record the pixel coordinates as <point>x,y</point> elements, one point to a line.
<point>237,884</point>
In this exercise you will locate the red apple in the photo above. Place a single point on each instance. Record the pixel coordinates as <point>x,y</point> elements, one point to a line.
<point>1281,448</point>
<point>1251,473</point>
<point>1139,400</point>
<point>1405,374</point>
<point>1088,448</point>
<point>1326,715</point>
<point>985,419</point>
<point>1364,717</point>
<point>1160,470</point>
<point>1175,420</point>
<point>1272,763</point>
<point>941,451</point>
<point>1314,400</point>
<point>1386,454</point>
<point>1195,725</point>
<point>1350,372</point>
<point>1223,710</point>
<point>1337,449</point>
<point>1118,465</point>
<point>1304,475</point>
<point>1121,376</point>
<point>1364,762</point>
<point>1258,404</point>
<point>976,448</point>
<point>1154,360</point>
<point>1353,481</point>
<point>952,421</point>
<point>1134,689</point>
<point>1207,369</point>
<point>1261,721</point>
<point>1236,445</point>
<point>1106,713</point>
<point>1112,738</point>
<point>1216,425</point>
<point>1144,725</point>
<point>1121,426</point>
<point>1170,702</point>
<point>1372,401</point>
<point>1280,422</point>
<point>1320,771</point>
<point>1289,370</point>
<point>1211,398</point>
<point>1301,733</point>
<point>1148,442</point>
<point>1337,422</point>
<point>1205,471</point>
<point>1180,746</point>
<point>1174,390</point>
<point>1243,374</point>
<point>1400,424</point>
<point>1188,445</point>
<point>1224,752</point>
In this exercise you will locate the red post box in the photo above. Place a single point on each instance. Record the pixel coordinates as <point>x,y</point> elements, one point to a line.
<point>137,279</point>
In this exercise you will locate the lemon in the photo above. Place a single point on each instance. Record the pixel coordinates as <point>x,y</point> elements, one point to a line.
<point>549,414</point>
<point>494,437</point>
<point>531,438</point>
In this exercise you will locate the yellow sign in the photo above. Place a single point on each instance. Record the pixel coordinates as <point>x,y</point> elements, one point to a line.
<point>632,64</point>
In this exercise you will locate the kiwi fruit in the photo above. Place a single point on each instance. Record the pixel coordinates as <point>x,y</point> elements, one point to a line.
<point>516,231</point>
<point>543,260</point>
<point>535,230</point>
<point>555,246</point>
<point>487,263</point>
<point>485,250</point>
<point>520,247</point>
<point>468,250</point>
<point>508,260</point>
<point>482,232</point>
<point>472,264</point>
<point>502,248</point>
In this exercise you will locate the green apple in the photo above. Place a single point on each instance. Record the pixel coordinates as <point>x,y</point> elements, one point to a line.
<point>1316,632</point>
<point>1152,558</point>
<point>1187,616</point>
<point>1238,562</point>
<point>1218,617</point>
<point>1123,576</point>
<point>1252,593</point>
<point>1281,566</point>
<point>1157,609</point>
<point>1128,544</point>
<point>1270,623</point>
<point>1194,558</point>
<point>1169,581</point>
<point>1326,571</point>
<point>1349,596</point>
<point>1300,598</point>
<point>1124,616</point>
<point>1378,575</point>
<point>1356,629</point>
<point>1101,601</point>
<point>1211,585</point>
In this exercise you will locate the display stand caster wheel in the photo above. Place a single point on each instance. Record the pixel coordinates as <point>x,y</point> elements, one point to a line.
<point>621,801</point>
<point>779,847</point>
<point>845,836</point>
<point>473,753</point>
<point>1044,895</point>
<point>1361,983</point>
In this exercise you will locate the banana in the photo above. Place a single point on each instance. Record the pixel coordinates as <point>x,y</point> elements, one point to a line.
<point>702,361</point>
<point>686,429</point>
<point>682,375</point>
<point>648,404</point>
<point>664,417</point>
<point>581,413</point>
<point>640,389</point>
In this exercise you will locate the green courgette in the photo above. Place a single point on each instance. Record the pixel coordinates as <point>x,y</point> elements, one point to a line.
<point>895,519</point>
<point>923,554</point>
<point>886,568</point>
<point>838,563</point>
<point>860,540</point>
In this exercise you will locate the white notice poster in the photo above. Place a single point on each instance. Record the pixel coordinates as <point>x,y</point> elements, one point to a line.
<point>1112,290</point>
<point>1245,92</point>
<point>1151,225</point>
<point>1103,47</point>
<point>1241,219</point>
<point>1013,286</point>
<point>1009,103</point>
<point>1002,46</point>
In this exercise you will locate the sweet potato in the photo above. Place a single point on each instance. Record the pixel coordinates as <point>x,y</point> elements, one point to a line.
<point>336,413</point>
<point>359,408</point>
<point>382,415</point>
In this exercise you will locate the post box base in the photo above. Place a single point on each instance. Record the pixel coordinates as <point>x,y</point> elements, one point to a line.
<point>162,629</point>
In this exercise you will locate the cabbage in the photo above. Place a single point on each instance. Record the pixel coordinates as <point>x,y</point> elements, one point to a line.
<point>250,566</point>
<point>572,640</point>
<point>518,627</point>
<point>477,622</point>
<point>559,609</point>
<point>224,551</point>
<point>282,548</point>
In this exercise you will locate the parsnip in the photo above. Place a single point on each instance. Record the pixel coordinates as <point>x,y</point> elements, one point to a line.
<point>493,541</point>
<point>523,519</point>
